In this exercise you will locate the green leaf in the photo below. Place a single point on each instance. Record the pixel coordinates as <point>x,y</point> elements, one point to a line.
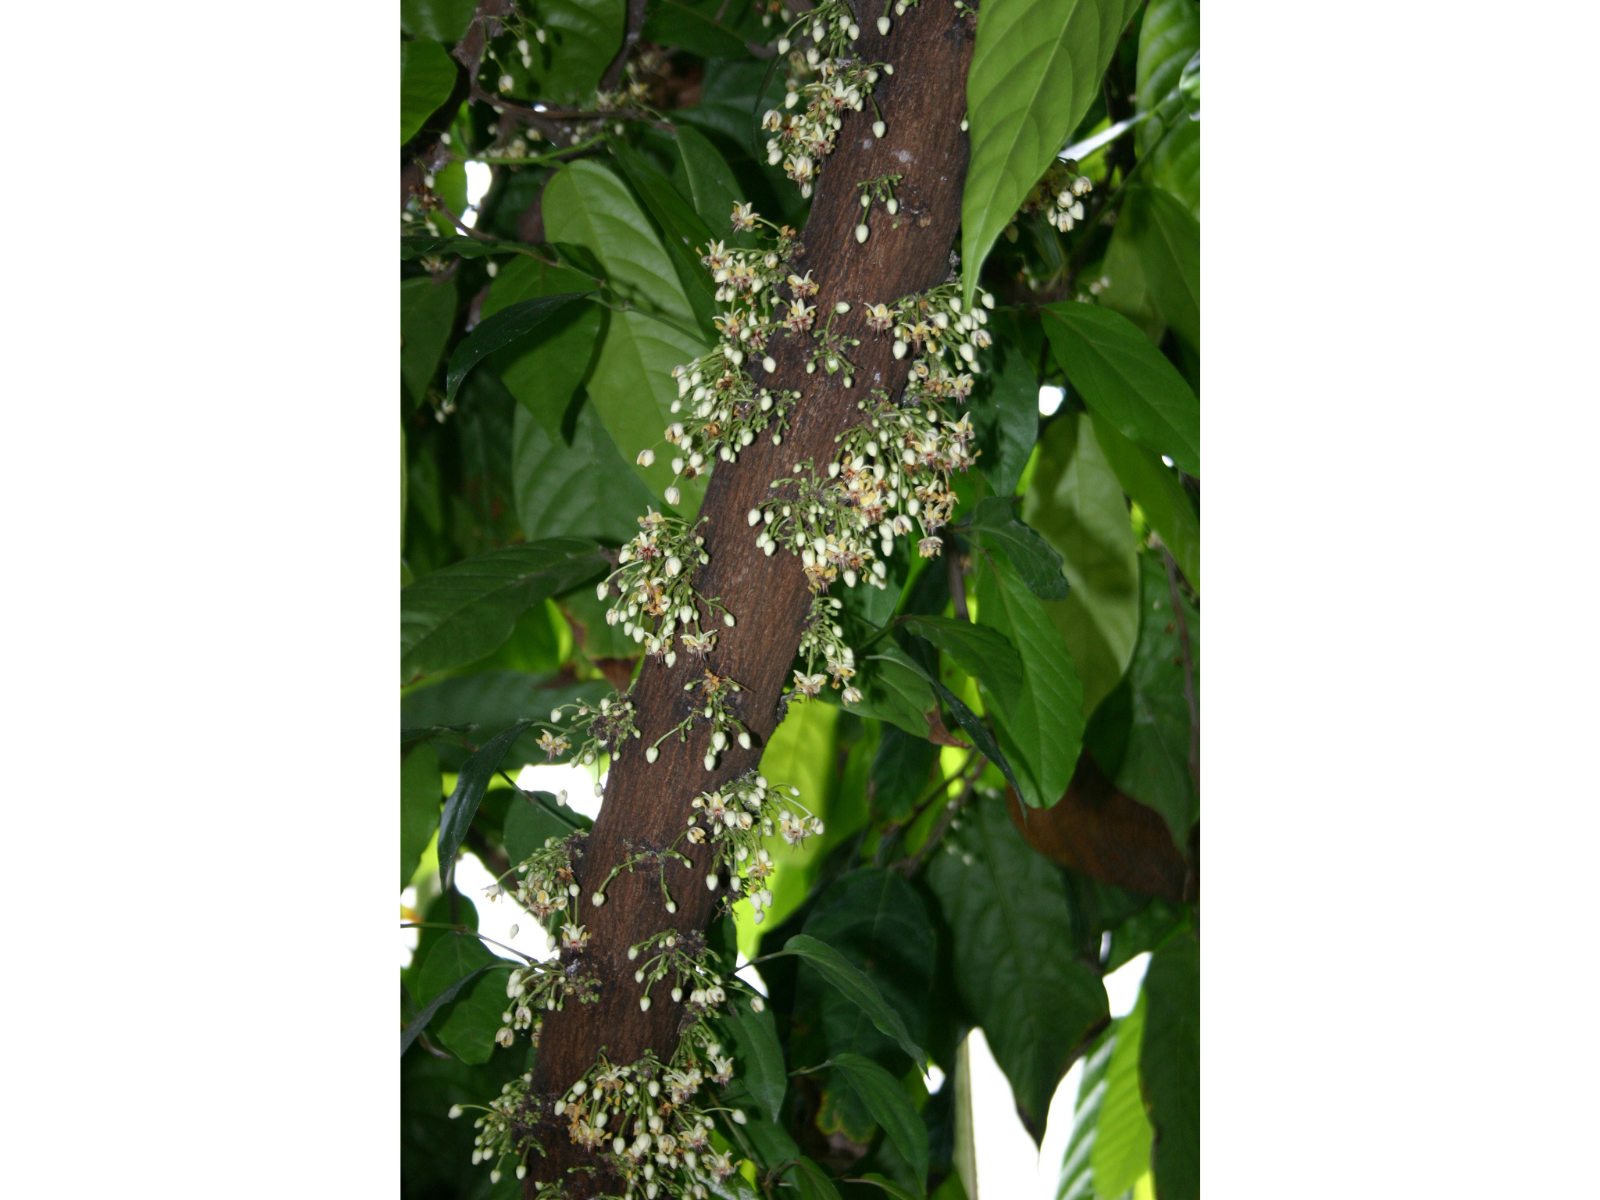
<point>890,1107</point>
<point>445,20</point>
<point>421,788</point>
<point>420,1021</point>
<point>461,613</point>
<point>1154,768</point>
<point>545,375</point>
<point>632,387</point>
<point>1033,557</point>
<point>879,923</point>
<point>1036,67</point>
<point>1125,379</point>
<point>584,489</point>
<point>1005,409</point>
<point>506,328</point>
<point>1014,966</point>
<point>1169,1064</point>
<point>978,650</point>
<point>857,988</point>
<point>533,817</point>
<point>427,77</point>
<point>1169,37</point>
<point>1043,730</point>
<point>581,39</point>
<point>427,314</point>
<point>980,735</point>
<point>1075,501</point>
<point>812,1180</point>
<point>712,185</point>
<point>1158,492</point>
<point>894,689</point>
<point>416,246</point>
<point>1122,1134</point>
<point>472,1018</point>
<point>678,25</point>
<point>1076,1180</point>
<point>684,235</point>
<point>758,1053</point>
<point>491,701</point>
<point>471,783</point>
<point>1168,240</point>
<point>901,771</point>
<point>888,1185</point>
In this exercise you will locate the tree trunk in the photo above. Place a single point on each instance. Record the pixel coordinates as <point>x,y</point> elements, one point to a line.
<point>647,806</point>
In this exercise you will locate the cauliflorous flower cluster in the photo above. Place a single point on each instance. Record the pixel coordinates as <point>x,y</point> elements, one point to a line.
<point>823,635</point>
<point>944,339</point>
<point>737,817</point>
<point>506,1128</point>
<point>546,886</point>
<point>1059,195</point>
<point>605,729</point>
<point>683,956</point>
<point>715,709</point>
<point>656,602</point>
<point>642,1121</point>
<point>839,82</point>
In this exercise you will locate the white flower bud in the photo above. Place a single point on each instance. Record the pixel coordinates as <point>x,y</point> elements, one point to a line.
<point>638,976</point>
<point>842,307</point>
<point>711,882</point>
<point>677,994</point>
<point>646,457</point>
<point>455,1111</point>
<point>744,738</point>
<point>600,591</point>
<point>727,619</point>
<point>673,495</point>
<point>671,907</point>
<point>738,1116</point>
<point>861,232</point>
<point>711,761</point>
<point>633,953</point>
<point>651,754</point>
<point>883,26</point>
<point>770,363</point>
<point>899,350</point>
<point>598,898</point>
<point>719,740</point>
<point>644,1003</point>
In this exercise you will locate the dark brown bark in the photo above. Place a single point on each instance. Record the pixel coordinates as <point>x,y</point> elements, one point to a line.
<point>648,805</point>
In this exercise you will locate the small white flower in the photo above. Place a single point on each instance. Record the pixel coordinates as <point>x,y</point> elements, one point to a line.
<point>672,495</point>
<point>646,457</point>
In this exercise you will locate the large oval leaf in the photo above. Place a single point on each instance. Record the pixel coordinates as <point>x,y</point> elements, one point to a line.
<point>759,1055</point>
<point>1169,37</point>
<point>1157,491</point>
<point>546,373</point>
<point>523,320</point>
<point>471,784</point>
<point>632,387</point>
<point>877,921</point>
<point>427,314</point>
<point>427,77</point>
<point>1034,558</point>
<point>1042,731</point>
<point>1168,240</point>
<point>1014,965</point>
<point>1122,1134</point>
<point>854,986</point>
<point>890,1107</point>
<point>710,182</point>
<point>463,612</point>
<point>1125,379</point>
<point>1036,66</point>
<point>584,489</point>
<point>1169,1064</point>
<point>581,39</point>
<point>979,650</point>
<point>1076,502</point>
<point>421,788</point>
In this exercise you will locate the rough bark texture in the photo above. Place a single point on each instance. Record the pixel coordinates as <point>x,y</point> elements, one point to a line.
<point>648,805</point>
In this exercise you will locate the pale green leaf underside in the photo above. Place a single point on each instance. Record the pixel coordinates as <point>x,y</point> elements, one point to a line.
<point>1035,68</point>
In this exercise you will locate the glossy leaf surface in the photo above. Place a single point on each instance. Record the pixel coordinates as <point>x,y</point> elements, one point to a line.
<point>1125,379</point>
<point>1014,965</point>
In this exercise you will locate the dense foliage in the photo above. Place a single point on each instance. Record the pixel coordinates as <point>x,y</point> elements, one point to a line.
<point>984,793</point>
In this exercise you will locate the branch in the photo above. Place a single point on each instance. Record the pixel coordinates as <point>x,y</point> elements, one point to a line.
<point>613,75</point>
